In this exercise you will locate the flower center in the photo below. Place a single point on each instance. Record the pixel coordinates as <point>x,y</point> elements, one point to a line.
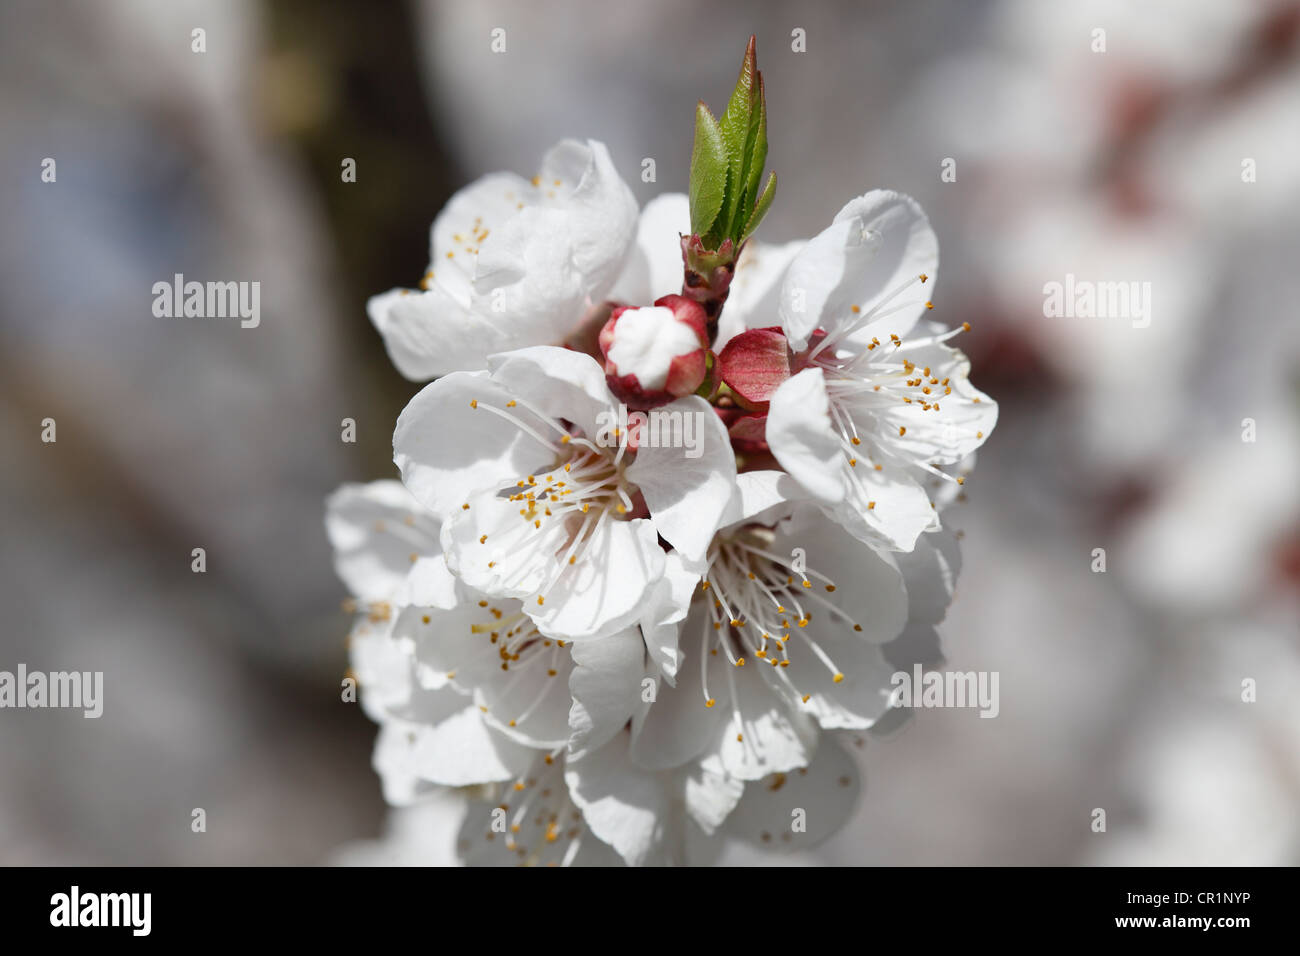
<point>544,828</point>
<point>867,379</point>
<point>563,509</point>
<point>525,654</point>
<point>760,602</point>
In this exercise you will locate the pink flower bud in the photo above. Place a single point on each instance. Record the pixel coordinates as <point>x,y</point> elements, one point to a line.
<point>654,354</point>
<point>753,364</point>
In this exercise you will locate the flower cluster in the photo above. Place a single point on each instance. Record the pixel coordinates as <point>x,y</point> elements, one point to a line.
<point>667,504</point>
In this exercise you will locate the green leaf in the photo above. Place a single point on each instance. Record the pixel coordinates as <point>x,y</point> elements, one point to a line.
<point>708,183</point>
<point>761,206</point>
<point>718,231</point>
<point>737,133</point>
<point>758,148</point>
<point>744,132</point>
<point>728,159</point>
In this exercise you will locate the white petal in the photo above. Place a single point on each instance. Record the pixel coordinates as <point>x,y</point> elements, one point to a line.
<point>902,508</point>
<point>560,383</point>
<point>856,701</point>
<point>391,760</point>
<point>930,572</point>
<point>514,263</point>
<point>762,735</point>
<point>964,419</point>
<point>876,245</point>
<point>800,435</point>
<point>445,643</point>
<point>463,751</point>
<point>602,212</point>
<point>711,794</point>
<point>624,805</point>
<point>603,591</point>
<point>531,706</point>
<point>654,267</point>
<point>688,496</point>
<point>384,669</point>
<point>826,791</point>
<point>606,686</point>
<point>484,206</point>
<point>567,244</point>
<point>429,584</point>
<point>754,297</point>
<point>667,609</point>
<point>447,450</point>
<point>482,845</point>
<point>375,528</point>
<point>763,497</point>
<point>449,327</point>
<point>523,698</point>
<point>879,502</point>
<point>395,754</point>
<point>677,726</point>
<point>607,589</point>
<point>868,586</point>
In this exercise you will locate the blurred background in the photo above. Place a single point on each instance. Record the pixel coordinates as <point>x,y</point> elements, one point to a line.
<point>1120,690</point>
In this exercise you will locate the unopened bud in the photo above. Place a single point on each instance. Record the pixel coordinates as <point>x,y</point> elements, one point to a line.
<point>654,354</point>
